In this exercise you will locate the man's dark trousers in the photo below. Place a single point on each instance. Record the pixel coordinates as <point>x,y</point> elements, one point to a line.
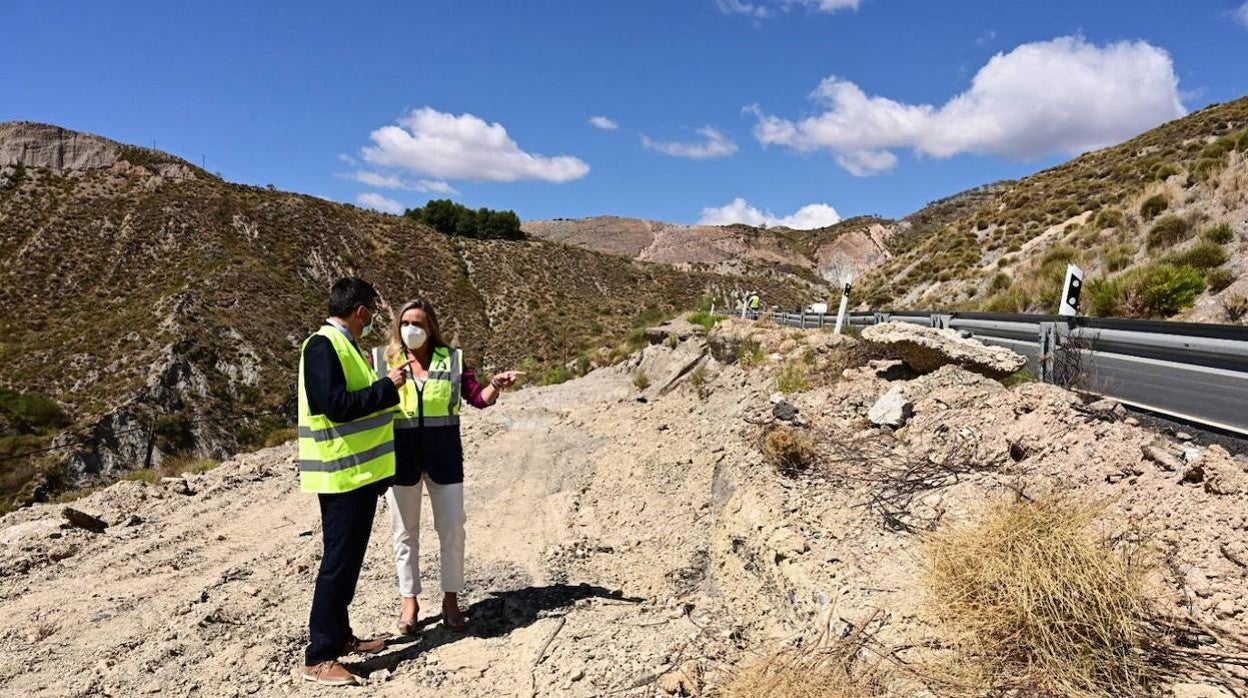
<point>346,521</point>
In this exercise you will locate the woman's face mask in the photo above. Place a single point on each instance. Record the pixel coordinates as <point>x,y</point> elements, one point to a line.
<point>413,336</point>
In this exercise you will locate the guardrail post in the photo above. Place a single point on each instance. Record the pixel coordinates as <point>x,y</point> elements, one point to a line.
<point>801,319</point>
<point>1047,346</point>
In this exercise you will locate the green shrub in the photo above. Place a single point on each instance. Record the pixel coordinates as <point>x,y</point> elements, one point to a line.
<point>1014,300</point>
<point>31,412</point>
<point>1059,254</point>
<point>641,381</point>
<point>1203,168</point>
<point>1206,255</point>
<point>1220,233</point>
<point>1168,230</point>
<point>1105,296</point>
<point>792,379</point>
<point>148,475</point>
<point>1153,206</point>
<point>651,315</point>
<point>705,319</point>
<point>1218,149</point>
<point>1164,170</point>
<point>751,353</point>
<point>1235,307</point>
<point>279,436</point>
<point>1000,282</point>
<point>553,375</point>
<point>697,378</point>
<point>178,464</point>
<point>173,433</point>
<point>1156,290</point>
<point>1119,257</point>
<point>1219,279</point>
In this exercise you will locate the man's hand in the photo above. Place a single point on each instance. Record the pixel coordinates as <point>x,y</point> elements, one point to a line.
<point>398,374</point>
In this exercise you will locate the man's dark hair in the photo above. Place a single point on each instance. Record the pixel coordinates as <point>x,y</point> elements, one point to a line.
<point>349,293</point>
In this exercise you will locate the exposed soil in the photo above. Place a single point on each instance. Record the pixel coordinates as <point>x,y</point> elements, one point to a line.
<point>611,540</point>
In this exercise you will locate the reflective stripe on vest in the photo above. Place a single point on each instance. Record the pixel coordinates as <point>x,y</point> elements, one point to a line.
<point>437,403</point>
<point>342,456</point>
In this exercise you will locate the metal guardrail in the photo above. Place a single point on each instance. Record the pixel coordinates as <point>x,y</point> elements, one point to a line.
<point>1191,371</point>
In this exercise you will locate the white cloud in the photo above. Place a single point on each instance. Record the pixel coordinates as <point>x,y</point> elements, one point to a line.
<point>740,211</point>
<point>374,200</point>
<point>376,179</point>
<point>763,9</point>
<point>1241,14</point>
<point>1059,96</point>
<point>603,123</point>
<point>343,157</point>
<point>434,186</point>
<point>716,145</point>
<point>446,146</point>
<point>864,163</point>
<point>392,181</point>
<point>737,7</point>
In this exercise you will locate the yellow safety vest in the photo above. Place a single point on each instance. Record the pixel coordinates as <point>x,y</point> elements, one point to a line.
<point>437,403</point>
<point>343,456</point>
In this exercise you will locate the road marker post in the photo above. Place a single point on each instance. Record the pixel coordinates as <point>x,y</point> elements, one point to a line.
<point>840,313</point>
<point>1070,291</point>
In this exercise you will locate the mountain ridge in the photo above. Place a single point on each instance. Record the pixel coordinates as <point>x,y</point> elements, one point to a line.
<point>162,313</point>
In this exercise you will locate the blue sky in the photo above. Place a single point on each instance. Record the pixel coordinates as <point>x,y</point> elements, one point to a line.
<point>863,106</point>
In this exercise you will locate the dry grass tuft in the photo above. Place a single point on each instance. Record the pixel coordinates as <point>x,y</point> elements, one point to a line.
<point>789,450</point>
<point>1042,605</point>
<point>828,668</point>
<point>794,673</point>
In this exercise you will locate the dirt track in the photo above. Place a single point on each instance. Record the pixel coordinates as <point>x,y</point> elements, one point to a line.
<point>577,524</point>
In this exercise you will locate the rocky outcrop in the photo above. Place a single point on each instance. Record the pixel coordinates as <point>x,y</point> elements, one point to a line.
<point>39,145</point>
<point>30,144</point>
<point>926,349</point>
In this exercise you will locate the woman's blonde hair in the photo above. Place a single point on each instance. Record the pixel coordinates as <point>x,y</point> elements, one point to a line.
<point>394,348</point>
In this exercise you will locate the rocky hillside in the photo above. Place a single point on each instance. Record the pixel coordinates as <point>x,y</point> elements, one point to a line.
<point>1158,223</point>
<point>654,542</point>
<point>827,253</point>
<point>157,310</point>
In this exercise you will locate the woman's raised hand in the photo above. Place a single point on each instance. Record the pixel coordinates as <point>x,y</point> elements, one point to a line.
<point>506,379</point>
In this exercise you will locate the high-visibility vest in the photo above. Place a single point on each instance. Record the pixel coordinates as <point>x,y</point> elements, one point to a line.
<point>437,403</point>
<point>755,301</point>
<point>343,456</point>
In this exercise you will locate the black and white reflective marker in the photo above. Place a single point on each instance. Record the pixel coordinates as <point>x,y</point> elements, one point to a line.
<point>1071,290</point>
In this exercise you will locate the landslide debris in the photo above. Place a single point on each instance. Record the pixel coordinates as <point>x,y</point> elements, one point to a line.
<point>636,548</point>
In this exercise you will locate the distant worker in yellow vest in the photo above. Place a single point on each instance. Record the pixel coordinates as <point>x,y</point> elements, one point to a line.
<point>346,456</point>
<point>429,453</point>
<point>755,301</point>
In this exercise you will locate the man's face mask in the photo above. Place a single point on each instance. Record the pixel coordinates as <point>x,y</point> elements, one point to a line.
<point>368,326</point>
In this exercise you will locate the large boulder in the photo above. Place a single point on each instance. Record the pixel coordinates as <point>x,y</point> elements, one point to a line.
<point>926,349</point>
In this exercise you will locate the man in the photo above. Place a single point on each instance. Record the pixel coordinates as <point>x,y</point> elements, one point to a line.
<point>346,456</point>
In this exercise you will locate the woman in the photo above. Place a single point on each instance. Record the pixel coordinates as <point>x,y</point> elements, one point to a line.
<point>429,454</point>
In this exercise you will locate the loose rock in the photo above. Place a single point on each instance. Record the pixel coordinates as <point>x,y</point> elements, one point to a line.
<point>926,349</point>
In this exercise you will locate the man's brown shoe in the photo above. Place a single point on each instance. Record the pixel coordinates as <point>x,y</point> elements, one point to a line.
<point>331,673</point>
<point>355,645</point>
